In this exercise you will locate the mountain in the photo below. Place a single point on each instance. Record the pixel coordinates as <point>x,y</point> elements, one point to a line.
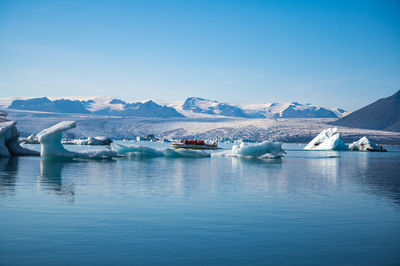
<point>200,105</point>
<point>269,110</point>
<point>46,105</point>
<point>383,114</point>
<point>298,110</point>
<point>96,105</point>
<point>191,107</point>
<point>146,109</point>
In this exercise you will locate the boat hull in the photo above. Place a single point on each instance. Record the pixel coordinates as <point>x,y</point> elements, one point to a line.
<point>194,147</point>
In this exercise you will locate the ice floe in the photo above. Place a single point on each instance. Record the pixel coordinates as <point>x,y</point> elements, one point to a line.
<point>328,139</point>
<point>32,139</point>
<point>147,152</point>
<point>265,149</point>
<point>98,140</point>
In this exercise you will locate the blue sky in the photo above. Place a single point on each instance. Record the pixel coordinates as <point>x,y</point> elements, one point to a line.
<point>336,53</point>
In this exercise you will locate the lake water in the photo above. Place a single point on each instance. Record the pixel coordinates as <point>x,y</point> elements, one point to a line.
<point>308,208</point>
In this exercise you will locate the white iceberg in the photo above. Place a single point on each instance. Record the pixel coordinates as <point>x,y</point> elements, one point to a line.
<point>98,140</point>
<point>9,140</point>
<point>364,144</point>
<point>328,139</point>
<point>51,146</point>
<point>147,152</point>
<point>32,139</point>
<point>265,149</point>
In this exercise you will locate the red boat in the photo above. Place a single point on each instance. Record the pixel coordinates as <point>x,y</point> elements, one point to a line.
<point>195,145</point>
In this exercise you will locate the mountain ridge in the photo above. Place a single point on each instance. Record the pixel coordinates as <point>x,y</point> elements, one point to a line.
<point>383,114</point>
<point>190,107</point>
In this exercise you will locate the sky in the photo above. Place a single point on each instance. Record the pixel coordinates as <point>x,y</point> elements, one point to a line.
<point>343,54</point>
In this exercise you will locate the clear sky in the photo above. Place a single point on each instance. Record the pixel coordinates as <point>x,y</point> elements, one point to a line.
<point>336,53</point>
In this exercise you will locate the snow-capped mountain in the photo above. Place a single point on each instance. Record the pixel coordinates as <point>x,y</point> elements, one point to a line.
<point>200,105</point>
<point>46,105</point>
<point>191,107</point>
<point>295,110</point>
<point>95,105</point>
<point>268,110</point>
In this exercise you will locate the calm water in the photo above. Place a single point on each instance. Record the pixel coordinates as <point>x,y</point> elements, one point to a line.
<point>325,208</point>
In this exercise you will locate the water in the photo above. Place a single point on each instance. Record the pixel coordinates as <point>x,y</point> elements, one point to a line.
<point>324,208</point>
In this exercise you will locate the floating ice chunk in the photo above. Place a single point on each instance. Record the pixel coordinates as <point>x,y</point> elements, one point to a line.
<point>50,140</point>
<point>5,134</point>
<point>9,140</point>
<point>51,146</point>
<point>142,151</point>
<point>99,140</point>
<point>364,144</point>
<point>32,139</point>
<point>97,154</point>
<point>265,149</point>
<point>328,139</point>
<point>136,151</point>
<point>177,153</point>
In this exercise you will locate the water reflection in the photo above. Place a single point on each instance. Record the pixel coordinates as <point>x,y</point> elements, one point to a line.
<point>308,173</point>
<point>51,178</point>
<point>8,174</point>
<point>381,174</point>
<point>326,168</point>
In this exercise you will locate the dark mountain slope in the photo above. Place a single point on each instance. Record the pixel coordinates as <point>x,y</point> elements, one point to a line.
<point>383,114</point>
<point>46,105</point>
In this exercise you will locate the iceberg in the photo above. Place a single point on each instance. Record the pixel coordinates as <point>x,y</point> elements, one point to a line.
<point>50,140</point>
<point>9,144</point>
<point>135,151</point>
<point>32,139</point>
<point>328,139</point>
<point>98,140</point>
<point>265,149</point>
<point>364,144</point>
<point>51,146</point>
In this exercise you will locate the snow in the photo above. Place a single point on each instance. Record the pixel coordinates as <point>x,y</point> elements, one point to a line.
<point>32,139</point>
<point>100,103</point>
<point>265,149</point>
<point>136,151</point>
<point>276,110</point>
<point>51,146</point>
<point>363,144</point>
<point>6,101</point>
<point>9,141</point>
<point>270,110</point>
<point>217,109</point>
<point>328,139</point>
<point>98,140</point>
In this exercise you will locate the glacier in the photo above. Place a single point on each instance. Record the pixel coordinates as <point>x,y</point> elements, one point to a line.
<point>9,141</point>
<point>265,149</point>
<point>51,146</point>
<point>137,151</point>
<point>328,139</point>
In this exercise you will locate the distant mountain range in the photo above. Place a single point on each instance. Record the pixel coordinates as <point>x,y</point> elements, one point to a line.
<point>268,110</point>
<point>383,114</point>
<point>191,107</point>
<point>97,105</point>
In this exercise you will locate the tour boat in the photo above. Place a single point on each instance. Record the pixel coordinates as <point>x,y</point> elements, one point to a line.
<point>195,145</point>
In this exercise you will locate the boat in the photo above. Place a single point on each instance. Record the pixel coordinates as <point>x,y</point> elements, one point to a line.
<point>195,145</point>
